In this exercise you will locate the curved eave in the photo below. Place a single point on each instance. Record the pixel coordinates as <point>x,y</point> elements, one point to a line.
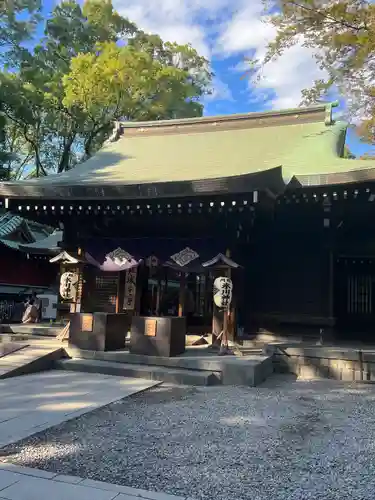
<point>45,246</point>
<point>14,245</point>
<point>334,178</point>
<point>39,251</point>
<point>270,180</point>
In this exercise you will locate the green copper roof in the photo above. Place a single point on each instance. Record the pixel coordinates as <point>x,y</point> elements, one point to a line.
<point>304,143</point>
<point>207,151</point>
<point>300,149</point>
<point>16,230</point>
<point>49,244</point>
<point>193,156</point>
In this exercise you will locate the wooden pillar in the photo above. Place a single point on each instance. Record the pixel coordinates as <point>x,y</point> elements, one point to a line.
<point>181,302</point>
<point>76,305</point>
<point>120,292</point>
<point>217,315</point>
<point>142,281</point>
<point>232,310</point>
<point>331,285</point>
<point>158,295</point>
<point>223,321</point>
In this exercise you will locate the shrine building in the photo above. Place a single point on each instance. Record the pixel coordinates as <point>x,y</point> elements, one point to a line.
<point>268,195</point>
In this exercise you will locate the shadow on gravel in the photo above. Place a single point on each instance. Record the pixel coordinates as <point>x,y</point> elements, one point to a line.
<point>218,442</point>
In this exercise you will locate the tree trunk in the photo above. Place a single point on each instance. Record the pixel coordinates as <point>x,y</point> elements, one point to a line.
<point>64,159</point>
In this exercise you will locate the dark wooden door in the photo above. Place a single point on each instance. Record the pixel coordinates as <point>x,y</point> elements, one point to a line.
<point>355,295</point>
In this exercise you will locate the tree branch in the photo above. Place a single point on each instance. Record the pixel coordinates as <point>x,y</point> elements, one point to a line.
<point>327,16</point>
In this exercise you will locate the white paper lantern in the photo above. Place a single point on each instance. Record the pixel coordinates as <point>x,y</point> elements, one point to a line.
<point>223,290</point>
<point>68,285</point>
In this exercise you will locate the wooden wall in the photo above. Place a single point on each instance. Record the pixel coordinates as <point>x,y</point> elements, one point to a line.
<point>16,269</point>
<point>288,276</point>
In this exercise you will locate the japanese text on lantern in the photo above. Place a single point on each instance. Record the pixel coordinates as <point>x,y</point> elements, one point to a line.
<point>130,289</point>
<point>68,285</point>
<point>223,289</point>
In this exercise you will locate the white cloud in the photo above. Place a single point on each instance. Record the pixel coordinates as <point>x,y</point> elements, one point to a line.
<point>174,20</point>
<point>220,91</point>
<point>226,28</point>
<point>295,70</point>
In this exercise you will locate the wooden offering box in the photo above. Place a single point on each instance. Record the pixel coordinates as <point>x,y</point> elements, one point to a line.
<point>158,336</point>
<point>99,331</point>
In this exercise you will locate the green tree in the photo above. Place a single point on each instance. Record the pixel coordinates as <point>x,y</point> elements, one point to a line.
<point>19,154</point>
<point>128,83</point>
<point>18,19</point>
<point>342,36</point>
<point>63,115</point>
<point>348,154</point>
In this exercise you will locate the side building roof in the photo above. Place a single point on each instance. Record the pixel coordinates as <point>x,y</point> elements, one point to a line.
<point>234,153</point>
<point>16,231</point>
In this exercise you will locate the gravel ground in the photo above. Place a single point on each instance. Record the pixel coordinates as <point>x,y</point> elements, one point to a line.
<point>284,440</point>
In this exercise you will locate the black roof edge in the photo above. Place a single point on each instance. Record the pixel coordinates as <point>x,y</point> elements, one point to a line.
<point>271,180</point>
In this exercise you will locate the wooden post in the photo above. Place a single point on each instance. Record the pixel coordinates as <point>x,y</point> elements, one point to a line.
<point>120,292</point>
<point>139,289</point>
<point>226,322</point>
<point>217,316</point>
<point>181,305</point>
<point>231,311</point>
<point>331,285</point>
<point>158,295</point>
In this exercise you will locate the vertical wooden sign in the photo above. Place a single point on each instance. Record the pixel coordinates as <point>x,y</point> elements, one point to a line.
<point>130,289</point>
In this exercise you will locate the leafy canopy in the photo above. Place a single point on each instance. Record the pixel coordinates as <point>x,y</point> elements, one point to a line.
<point>93,67</point>
<point>341,34</point>
<point>18,19</point>
<point>127,83</point>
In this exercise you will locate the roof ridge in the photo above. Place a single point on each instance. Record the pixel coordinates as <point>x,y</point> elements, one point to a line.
<point>324,107</point>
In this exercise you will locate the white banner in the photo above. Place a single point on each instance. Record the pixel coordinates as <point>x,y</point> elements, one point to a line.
<point>130,289</point>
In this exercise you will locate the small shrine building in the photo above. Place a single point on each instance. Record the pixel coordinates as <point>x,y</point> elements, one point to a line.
<point>23,267</point>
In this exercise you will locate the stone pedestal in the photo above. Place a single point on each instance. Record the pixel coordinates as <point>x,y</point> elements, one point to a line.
<point>99,331</point>
<point>158,336</point>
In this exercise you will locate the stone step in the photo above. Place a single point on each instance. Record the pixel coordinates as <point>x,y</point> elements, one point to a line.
<point>189,362</point>
<point>37,329</point>
<point>180,376</point>
<point>250,351</point>
<point>29,359</point>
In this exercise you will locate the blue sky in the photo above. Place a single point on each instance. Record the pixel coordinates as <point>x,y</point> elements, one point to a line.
<point>227,32</point>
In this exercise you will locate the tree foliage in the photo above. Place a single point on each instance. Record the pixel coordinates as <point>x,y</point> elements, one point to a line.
<point>93,67</point>
<point>18,19</point>
<point>348,154</point>
<point>128,83</point>
<point>341,34</point>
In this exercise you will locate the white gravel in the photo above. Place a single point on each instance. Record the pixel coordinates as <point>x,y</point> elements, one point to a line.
<point>287,440</point>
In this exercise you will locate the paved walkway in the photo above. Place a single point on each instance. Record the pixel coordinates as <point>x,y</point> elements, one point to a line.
<point>33,403</point>
<point>22,483</point>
